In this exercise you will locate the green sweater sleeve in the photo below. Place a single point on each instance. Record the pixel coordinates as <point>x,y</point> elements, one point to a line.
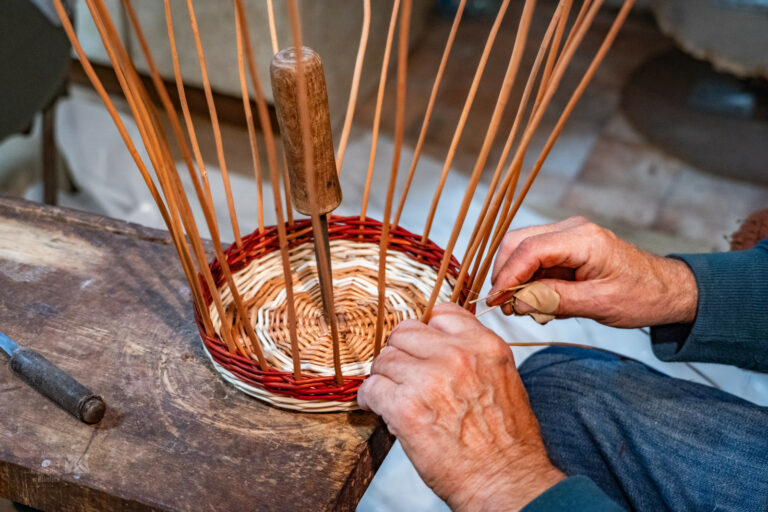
<point>574,493</point>
<point>731,325</point>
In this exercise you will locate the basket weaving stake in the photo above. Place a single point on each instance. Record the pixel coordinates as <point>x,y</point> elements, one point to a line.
<point>355,84</point>
<point>475,239</point>
<point>272,26</point>
<point>602,51</point>
<point>266,123</point>
<point>515,166</point>
<point>377,113</point>
<point>214,124</point>
<point>149,129</point>
<point>311,172</point>
<point>162,161</point>
<point>493,126</point>
<point>249,120</point>
<point>428,113</point>
<point>463,118</point>
<point>402,73</point>
<point>207,206</point>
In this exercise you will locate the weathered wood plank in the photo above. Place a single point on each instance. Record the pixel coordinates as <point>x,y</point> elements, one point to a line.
<point>107,302</point>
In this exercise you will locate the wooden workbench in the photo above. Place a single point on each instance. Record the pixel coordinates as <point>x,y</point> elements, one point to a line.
<point>108,303</point>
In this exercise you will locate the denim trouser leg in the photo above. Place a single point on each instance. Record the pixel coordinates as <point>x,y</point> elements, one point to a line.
<point>651,442</point>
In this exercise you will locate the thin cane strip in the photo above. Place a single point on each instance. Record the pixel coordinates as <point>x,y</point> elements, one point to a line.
<point>496,293</point>
<point>214,124</point>
<point>121,62</point>
<point>93,77</point>
<point>506,88</point>
<point>402,73</point>
<point>266,124</point>
<point>533,121</point>
<point>379,103</point>
<point>309,162</point>
<point>249,120</point>
<point>272,27</point>
<point>569,48</point>
<point>603,50</point>
<point>463,118</point>
<point>356,75</point>
<point>585,6</point>
<point>430,108</point>
<point>477,236</point>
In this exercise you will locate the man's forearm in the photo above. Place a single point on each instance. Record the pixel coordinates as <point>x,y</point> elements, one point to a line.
<point>731,321</point>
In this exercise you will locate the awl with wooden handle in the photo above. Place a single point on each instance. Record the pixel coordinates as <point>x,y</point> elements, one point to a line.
<point>324,180</point>
<point>53,383</point>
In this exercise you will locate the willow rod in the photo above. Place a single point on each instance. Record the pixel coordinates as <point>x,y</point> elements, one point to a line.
<point>379,103</point>
<point>323,257</point>
<point>214,124</point>
<point>249,121</point>
<point>604,47</point>
<point>430,108</point>
<point>208,210</point>
<point>269,138</point>
<point>356,75</point>
<point>493,126</point>
<point>402,74</point>
<point>533,121</point>
<point>478,242</point>
<point>145,125</point>
<point>272,26</point>
<point>463,119</point>
<point>155,143</point>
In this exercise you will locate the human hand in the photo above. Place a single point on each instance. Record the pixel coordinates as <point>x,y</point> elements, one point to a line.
<point>596,274</point>
<point>451,394</point>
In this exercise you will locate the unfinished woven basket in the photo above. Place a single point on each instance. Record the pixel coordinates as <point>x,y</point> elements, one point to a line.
<point>256,266</point>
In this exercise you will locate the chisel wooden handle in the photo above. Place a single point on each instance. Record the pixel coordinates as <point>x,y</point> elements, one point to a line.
<point>285,90</point>
<point>52,382</point>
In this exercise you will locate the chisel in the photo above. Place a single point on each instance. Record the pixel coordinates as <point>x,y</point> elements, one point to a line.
<point>53,383</point>
<point>327,189</point>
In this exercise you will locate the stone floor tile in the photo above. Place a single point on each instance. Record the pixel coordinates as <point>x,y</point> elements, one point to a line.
<point>637,168</point>
<point>618,203</point>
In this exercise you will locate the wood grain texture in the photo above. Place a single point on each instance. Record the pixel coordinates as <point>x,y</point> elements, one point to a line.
<point>285,90</point>
<point>108,303</point>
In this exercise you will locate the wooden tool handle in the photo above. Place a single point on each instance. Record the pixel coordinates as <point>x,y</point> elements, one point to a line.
<point>51,381</point>
<point>285,90</point>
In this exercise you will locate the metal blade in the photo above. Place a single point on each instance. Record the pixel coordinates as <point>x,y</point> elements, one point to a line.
<point>7,344</point>
<point>324,268</point>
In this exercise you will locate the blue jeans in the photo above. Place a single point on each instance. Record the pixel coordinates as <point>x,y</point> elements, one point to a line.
<point>649,441</point>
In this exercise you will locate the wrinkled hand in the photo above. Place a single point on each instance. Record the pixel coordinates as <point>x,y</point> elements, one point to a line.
<point>451,394</point>
<point>596,274</point>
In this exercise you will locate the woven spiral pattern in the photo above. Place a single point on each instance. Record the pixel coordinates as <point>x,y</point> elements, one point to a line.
<point>258,274</point>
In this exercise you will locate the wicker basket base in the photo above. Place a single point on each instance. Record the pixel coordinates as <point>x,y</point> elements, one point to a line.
<point>258,274</point>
